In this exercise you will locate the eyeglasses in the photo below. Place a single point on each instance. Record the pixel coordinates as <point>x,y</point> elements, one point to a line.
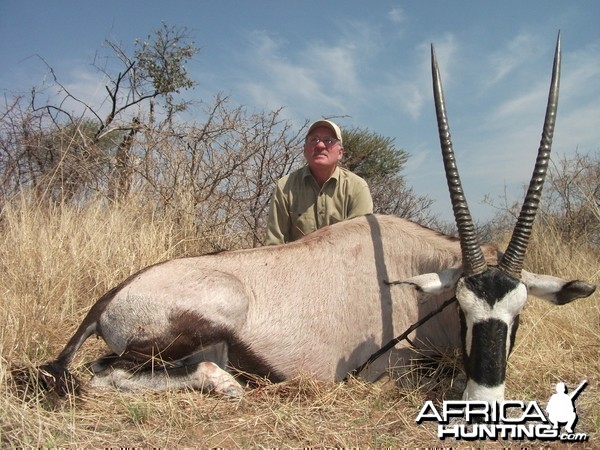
<point>328,141</point>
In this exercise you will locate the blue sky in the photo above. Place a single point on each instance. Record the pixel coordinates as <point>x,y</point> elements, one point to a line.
<point>365,61</point>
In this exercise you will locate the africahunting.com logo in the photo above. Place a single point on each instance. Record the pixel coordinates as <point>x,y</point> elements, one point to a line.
<point>510,419</point>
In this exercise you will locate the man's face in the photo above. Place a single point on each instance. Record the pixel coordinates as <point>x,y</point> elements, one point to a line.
<point>322,149</point>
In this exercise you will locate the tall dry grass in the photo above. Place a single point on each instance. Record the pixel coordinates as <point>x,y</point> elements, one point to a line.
<point>55,261</point>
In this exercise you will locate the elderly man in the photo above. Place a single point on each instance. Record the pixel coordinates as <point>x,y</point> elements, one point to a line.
<point>320,193</point>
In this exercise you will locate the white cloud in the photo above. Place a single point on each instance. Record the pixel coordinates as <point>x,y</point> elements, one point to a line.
<point>578,119</point>
<point>397,15</point>
<point>322,76</point>
<point>517,51</point>
<point>274,80</point>
<point>416,92</point>
<point>73,91</point>
<point>511,111</point>
<point>89,87</point>
<point>446,52</point>
<point>335,66</point>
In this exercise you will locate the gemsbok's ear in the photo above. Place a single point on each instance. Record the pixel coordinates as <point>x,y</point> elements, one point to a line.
<point>436,282</point>
<point>556,290</point>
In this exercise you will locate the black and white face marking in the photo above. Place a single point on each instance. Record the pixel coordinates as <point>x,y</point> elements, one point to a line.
<point>490,304</point>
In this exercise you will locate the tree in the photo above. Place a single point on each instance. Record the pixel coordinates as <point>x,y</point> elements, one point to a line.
<point>54,159</point>
<point>137,87</point>
<point>371,155</point>
<point>571,201</point>
<point>570,205</point>
<point>160,62</point>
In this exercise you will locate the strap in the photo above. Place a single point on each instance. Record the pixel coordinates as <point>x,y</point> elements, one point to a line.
<point>396,340</point>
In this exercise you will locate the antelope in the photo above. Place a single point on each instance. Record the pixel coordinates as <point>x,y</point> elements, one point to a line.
<point>321,305</point>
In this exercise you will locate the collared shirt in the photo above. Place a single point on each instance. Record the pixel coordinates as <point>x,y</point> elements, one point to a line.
<point>299,206</point>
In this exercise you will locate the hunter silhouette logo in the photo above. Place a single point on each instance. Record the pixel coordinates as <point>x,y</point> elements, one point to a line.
<point>509,419</point>
<point>561,408</point>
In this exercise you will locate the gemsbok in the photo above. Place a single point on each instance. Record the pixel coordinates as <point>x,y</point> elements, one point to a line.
<point>322,305</point>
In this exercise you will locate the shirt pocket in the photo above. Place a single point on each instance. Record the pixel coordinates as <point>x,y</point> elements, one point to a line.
<point>334,215</point>
<point>302,223</point>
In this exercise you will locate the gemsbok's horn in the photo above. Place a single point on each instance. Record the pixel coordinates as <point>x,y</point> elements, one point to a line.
<point>473,260</point>
<point>512,262</point>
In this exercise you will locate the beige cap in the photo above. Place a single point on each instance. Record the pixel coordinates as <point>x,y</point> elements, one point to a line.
<point>329,124</point>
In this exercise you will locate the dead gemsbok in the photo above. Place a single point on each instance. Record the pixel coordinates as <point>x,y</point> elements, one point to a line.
<point>321,306</point>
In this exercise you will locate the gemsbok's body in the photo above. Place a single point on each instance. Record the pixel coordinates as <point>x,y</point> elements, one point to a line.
<point>322,305</point>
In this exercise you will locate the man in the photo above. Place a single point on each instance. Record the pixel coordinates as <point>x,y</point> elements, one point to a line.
<point>320,193</point>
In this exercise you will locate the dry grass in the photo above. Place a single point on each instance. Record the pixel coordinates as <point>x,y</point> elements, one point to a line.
<point>54,263</point>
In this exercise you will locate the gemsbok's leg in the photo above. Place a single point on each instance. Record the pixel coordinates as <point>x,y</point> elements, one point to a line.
<point>205,376</point>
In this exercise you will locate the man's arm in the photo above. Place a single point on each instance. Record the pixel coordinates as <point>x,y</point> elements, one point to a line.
<point>361,203</point>
<point>279,220</point>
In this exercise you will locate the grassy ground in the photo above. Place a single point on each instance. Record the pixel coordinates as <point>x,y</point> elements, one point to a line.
<point>55,262</point>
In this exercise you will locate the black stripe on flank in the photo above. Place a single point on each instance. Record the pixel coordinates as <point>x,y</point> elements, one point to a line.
<point>187,334</point>
<point>491,285</point>
<point>486,364</point>
<point>244,360</point>
<point>195,331</point>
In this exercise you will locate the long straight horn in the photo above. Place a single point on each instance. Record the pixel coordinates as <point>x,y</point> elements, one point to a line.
<point>473,261</point>
<point>512,262</point>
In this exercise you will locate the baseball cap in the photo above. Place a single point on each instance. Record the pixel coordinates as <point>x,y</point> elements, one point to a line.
<point>329,124</point>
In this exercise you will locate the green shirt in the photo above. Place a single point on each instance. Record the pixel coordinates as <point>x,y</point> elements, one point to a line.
<point>299,206</point>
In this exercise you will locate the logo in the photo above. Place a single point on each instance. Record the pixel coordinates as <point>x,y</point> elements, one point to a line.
<point>509,419</point>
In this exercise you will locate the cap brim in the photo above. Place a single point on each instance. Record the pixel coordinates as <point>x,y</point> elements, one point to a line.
<point>328,124</point>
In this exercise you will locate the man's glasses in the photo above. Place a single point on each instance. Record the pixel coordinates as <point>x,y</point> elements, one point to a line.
<point>328,141</point>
